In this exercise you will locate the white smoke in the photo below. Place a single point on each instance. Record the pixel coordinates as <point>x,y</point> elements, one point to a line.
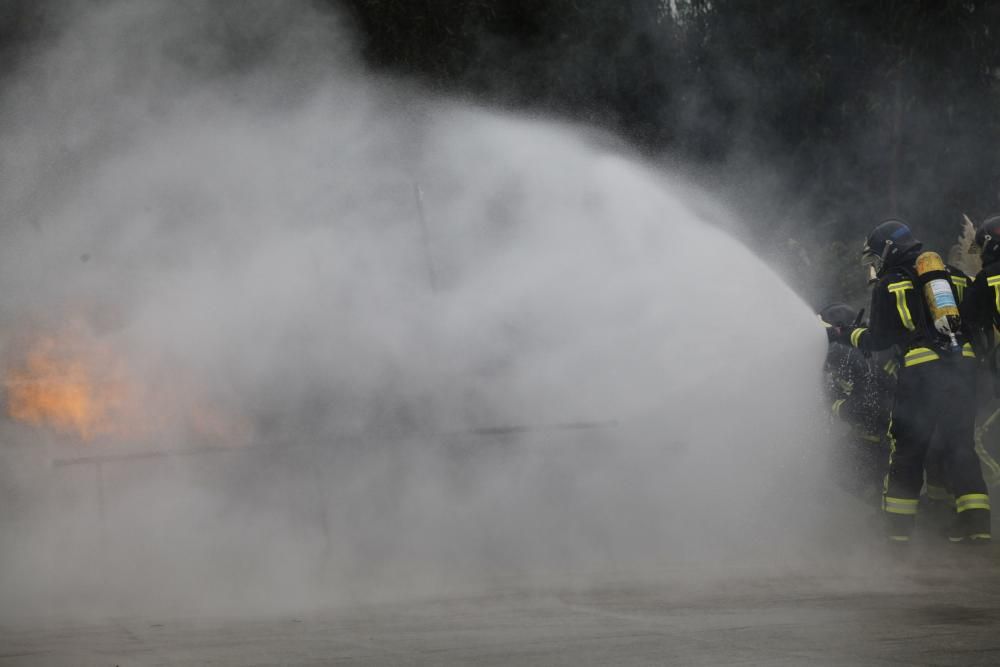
<point>230,195</point>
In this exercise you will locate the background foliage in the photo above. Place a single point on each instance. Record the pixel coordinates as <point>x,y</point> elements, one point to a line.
<point>815,118</point>
<point>856,110</point>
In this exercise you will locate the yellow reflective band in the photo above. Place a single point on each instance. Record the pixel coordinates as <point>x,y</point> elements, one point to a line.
<point>967,351</point>
<point>892,453</point>
<point>972,506</point>
<point>972,501</point>
<point>991,469</point>
<point>891,367</point>
<point>899,505</point>
<point>919,355</point>
<point>899,289</point>
<point>856,336</point>
<point>899,538</point>
<point>960,283</point>
<point>994,282</point>
<point>980,536</point>
<point>870,437</point>
<point>836,406</point>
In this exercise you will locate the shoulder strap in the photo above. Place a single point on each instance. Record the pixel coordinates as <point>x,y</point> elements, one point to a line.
<point>924,330</point>
<point>992,290</point>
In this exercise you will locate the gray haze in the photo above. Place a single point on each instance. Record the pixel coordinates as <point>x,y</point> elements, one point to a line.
<point>224,199</point>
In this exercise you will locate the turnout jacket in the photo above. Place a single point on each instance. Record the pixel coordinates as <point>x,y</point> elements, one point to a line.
<point>900,317</point>
<point>981,307</point>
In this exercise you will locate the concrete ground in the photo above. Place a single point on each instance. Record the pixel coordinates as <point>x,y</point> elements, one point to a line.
<point>931,612</point>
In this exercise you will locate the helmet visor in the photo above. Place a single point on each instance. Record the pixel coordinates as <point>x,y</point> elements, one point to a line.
<point>872,263</point>
<point>870,259</point>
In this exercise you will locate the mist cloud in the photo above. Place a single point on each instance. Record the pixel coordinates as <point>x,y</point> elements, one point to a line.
<point>224,197</point>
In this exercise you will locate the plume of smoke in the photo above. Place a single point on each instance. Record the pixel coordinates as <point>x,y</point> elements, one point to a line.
<point>244,197</point>
<point>961,254</point>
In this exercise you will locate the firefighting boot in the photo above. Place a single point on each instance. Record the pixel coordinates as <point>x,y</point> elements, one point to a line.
<point>899,527</point>
<point>972,521</point>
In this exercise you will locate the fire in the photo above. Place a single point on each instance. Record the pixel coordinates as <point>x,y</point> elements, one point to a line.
<point>78,386</point>
<point>72,388</point>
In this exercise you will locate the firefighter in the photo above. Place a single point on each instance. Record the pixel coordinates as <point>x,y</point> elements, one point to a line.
<point>935,389</point>
<point>981,313</point>
<point>860,391</point>
<point>939,498</point>
<point>981,310</point>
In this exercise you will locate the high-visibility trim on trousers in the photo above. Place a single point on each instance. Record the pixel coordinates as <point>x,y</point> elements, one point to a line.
<point>972,501</point>
<point>967,351</point>
<point>899,505</point>
<point>919,355</point>
<point>991,469</point>
<point>892,452</point>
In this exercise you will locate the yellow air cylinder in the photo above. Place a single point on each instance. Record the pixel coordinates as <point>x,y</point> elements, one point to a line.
<point>938,294</point>
<point>937,290</point>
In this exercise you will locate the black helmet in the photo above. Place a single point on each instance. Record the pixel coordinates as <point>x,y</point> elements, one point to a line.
<point>887,244</point>
<point>988,239</point>
<point>838,315</point>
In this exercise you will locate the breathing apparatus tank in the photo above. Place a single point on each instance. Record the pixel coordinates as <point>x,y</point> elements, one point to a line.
<point>939,296</point>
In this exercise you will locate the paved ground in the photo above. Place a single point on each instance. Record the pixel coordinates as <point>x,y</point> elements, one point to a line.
<point>943,612</point>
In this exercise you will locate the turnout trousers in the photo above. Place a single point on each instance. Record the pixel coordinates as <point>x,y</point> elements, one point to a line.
<point>937,395</point>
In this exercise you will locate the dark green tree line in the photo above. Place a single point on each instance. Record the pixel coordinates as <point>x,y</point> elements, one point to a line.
<point>865,109</point>
<point>859,109</point>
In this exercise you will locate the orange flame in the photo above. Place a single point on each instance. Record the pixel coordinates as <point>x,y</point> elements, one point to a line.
<point>73,395</point>
<point>77,386</point>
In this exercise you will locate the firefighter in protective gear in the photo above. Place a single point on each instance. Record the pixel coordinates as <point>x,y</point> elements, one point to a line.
<point>860,391</point>
<point>981,313</point>
<point>981,310</point>
<point>935,389</point>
